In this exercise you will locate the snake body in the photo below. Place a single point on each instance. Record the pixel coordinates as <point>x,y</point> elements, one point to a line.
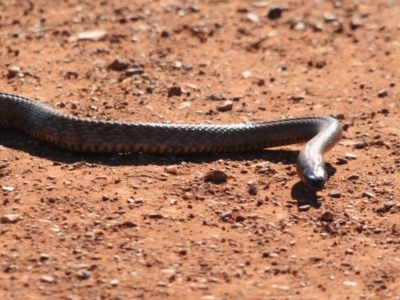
<point>94,136</point>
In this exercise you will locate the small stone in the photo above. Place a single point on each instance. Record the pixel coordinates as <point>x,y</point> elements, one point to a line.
<point>246,74</point>
<point>388,205</point>
<point>7,188</point>
<point>382,93</point>
<point>71,74</point>
<point>252,190</point>
<point>327,216</point>
<point>214,97</point>
<point>329,17</point>
<point>119,64</point>
<point>349,251</point>
<point>315,259</point>
<point>13,71</point>
<point>320,64</point>
<point>299,26</point>
<point>9,219</point>
<point>226,216</point>
<point>128,224</point>
<point>275,13</point>
<point>89,35</point>
<point>155,215</point>
<point>349,283</point>
<point>187,196</point>
<point>340,221</point>
<point>359,145</point>
<point>47,278</point>
<point>174,91</point>
<point>172,170</point>
<point>239,219</point>
<point>261,82</point>
<point>318,26</point>
<point>356,22</point>
<point>226,106</point>
<point>341,161</point>
<point>134,70</point>
<point>378,280</point>
<point>216,176</point>
<point>304,207</point>
<point>83,274</point>
<point>384,111</point>
<point>353,177</point>
<point>44,257</point>
<point>350,156</point>
<point>335,194</point>
<point>114,282</point>
<point>252,17</point>
<point>368,194</point>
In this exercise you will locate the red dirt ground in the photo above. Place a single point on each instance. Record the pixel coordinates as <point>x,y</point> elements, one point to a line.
<point>127,227</point>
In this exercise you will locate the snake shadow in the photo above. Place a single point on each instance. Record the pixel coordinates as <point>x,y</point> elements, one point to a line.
<point>18,140</point>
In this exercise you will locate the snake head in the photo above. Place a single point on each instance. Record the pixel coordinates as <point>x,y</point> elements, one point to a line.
<point>314,178</point>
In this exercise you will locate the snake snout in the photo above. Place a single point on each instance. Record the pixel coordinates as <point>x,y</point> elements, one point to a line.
<point>315,179</point>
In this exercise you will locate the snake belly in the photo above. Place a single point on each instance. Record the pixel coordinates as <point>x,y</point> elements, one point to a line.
<point>94,136</point>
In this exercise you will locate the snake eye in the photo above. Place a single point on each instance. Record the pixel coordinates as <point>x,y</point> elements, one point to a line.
<point>315,179</point>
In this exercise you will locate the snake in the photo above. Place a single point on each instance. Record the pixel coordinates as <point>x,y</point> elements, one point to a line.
<point>88,135</point>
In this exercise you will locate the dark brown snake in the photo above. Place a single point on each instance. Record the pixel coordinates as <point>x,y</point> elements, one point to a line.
<point>93,136</point>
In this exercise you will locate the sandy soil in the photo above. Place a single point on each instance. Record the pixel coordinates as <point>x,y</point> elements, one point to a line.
<point>77,226</point>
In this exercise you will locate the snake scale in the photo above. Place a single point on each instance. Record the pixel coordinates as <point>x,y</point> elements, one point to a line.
<point>94,136</point>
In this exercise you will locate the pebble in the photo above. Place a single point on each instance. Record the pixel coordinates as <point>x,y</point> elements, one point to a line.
<point>89,35</point>
<point>299,26</point>
<point>246,74</point>
<point>327,216</point>
<point>155,215</point>
<point>334,194</point>
<point>350,156</point>
<point>382,93</point>
<point>114,282</point>
<point>353,177</point>
<point>216,176</point>
<point>134,70</point>
<point>360,145</point>
<point>349,251</point>
<point>226,216</point>
<point>356,22</point>
<point>13,71</point>
<point>214,97</point>
<point>240,219</point>
<point>8,188</point>
<point>341,161</point>
<point>174,91</point>
<point>9,219</point>
<point>47,278</point>
<point>275,13</point>
<point>44,257</point>
<point>252,17</point>
<point>83,274</point>
<point>187,196</point>
<point>252,190</point>
<point>349,283</point>
<point>304,207</point>
<point>388,205</point>
<point>172,170</point>
<point>226,106</point>
<point>368,194</point>
<point>128,224</point>
<point>329,17</point>
<point>320,64</point>
<point>119,64</point>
